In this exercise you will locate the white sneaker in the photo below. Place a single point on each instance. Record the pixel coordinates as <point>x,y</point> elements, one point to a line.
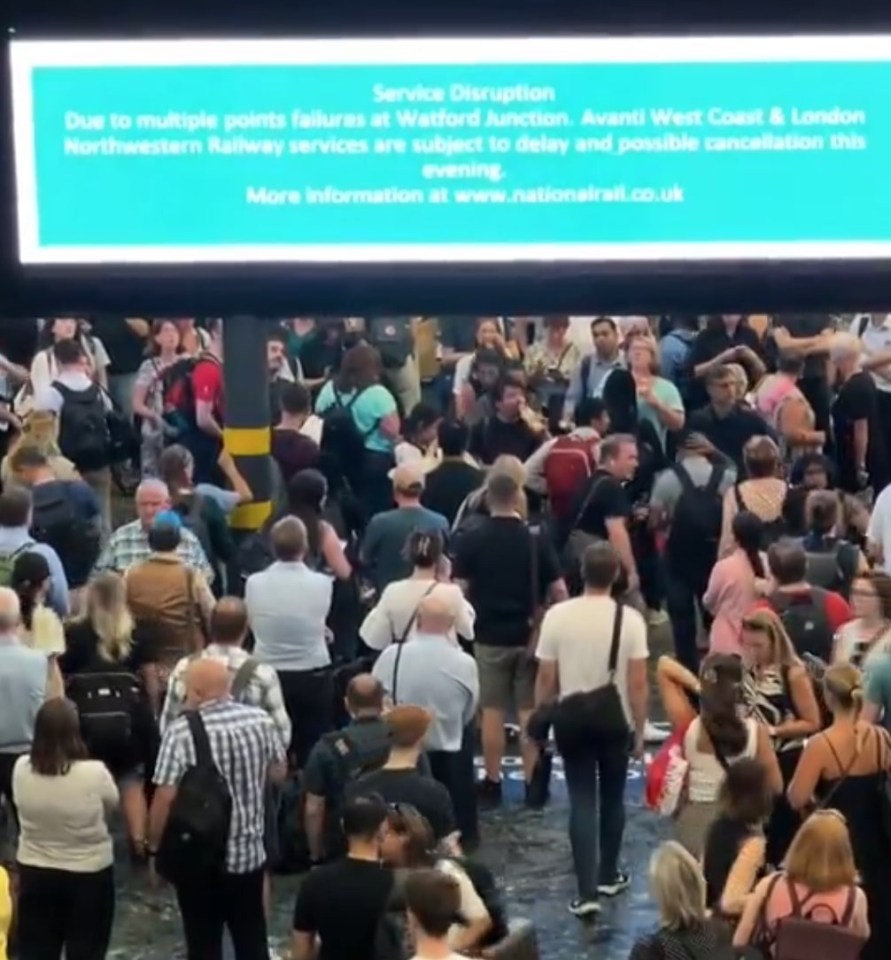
<point>584,908</point>
<point>656,732</point>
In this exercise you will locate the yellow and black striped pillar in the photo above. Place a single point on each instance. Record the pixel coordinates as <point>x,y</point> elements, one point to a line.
<point>247,432</point>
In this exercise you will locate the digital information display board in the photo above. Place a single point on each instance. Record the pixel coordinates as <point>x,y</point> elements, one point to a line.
<point>453,150</point>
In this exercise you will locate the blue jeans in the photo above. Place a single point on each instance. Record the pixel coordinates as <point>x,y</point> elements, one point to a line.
<point>595,781</point>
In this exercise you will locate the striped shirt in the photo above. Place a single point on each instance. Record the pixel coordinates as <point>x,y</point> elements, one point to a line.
<point>263,690</point>
<point>244,742</point>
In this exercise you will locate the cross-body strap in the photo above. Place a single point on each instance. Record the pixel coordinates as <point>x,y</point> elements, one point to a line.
<point>617,637</point>
<point>400,643</point>
<point>203,755</point>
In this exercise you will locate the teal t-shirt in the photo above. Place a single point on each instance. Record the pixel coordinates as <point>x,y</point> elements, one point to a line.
<point>668,395</point>
<point>369,408</point>
<point>878,685</point>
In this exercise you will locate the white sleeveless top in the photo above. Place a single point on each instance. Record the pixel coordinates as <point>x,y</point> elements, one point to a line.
<point>706,773</point>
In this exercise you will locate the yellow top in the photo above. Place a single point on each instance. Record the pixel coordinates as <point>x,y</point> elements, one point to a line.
<point>5,911</point>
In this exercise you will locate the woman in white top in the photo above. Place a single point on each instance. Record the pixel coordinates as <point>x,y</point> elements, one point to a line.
<point>44,368</point>
<point>393,618</point>
<point>867,637</point>
<point>713,737</point>
<point>66,883</point>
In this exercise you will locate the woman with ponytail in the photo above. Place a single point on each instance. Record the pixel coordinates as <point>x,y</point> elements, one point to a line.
<point>714,737</point>
<point>735,584</point>
<point>845,768</point>
<point>393,617</point>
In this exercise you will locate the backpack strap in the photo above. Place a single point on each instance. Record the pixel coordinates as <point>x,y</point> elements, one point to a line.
<point>850,904</point>
<point>684,478</point>
<point>203,755</point>
<point>617,637</point>
<point>243,676</point>
<point>715,478</point>
<point>740,506</point>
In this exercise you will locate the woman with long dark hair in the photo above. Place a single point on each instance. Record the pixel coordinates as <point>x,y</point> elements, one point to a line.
<point>148,392</point>
<point>307,493</point>
<point>735,584</point>
<point>66,881</point>
<point>714,735</point>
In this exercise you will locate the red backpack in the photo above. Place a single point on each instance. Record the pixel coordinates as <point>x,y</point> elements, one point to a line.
<point>567,468</point>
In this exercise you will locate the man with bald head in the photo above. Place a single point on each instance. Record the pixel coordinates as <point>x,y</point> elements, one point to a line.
<point>27,678</point>
<point>252,682</point>
<point>248,752</point>
<point>383,548</point>
<point>433,672</point>
<point>340,757</point>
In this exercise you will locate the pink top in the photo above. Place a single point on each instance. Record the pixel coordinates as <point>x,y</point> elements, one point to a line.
<point>730,596</point>
<point>822,907</point>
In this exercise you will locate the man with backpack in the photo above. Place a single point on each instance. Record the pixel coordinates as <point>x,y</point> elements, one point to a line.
<point>207,820</point>
<point>338,759</point>
<point>811,615</point>
<point>82,408</point>
<point>393,338</point>
<point>65,514</point>
<point>562,466</point>
<point>832,562</point>
<point>16,539</point>
<point>686,504</point>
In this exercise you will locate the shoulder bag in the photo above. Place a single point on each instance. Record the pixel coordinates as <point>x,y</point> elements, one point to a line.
<point>400,643</point>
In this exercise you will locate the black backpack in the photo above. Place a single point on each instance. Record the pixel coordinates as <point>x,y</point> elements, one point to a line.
<point>805,620</point>
<point>696,522</point>
<point>196,835</point>
<point>393,340</point>
<point>191,512</point>
<point>108,707</point>
<point>832,565</point>
<point>57,522</point>
<point>343,443</point>
<point>84,437</point>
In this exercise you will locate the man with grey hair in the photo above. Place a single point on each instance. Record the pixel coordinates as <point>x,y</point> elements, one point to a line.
<point>129,544</point>
<point>859,437</point>
<point>288,606</point>
<point>27,678</point>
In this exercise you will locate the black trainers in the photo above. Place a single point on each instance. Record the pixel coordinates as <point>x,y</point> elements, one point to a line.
<point>488,792</point>
<point>620,883</point>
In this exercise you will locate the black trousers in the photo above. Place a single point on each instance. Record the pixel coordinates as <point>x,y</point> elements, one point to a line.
<point>7,762</point>
<point>236,902</point>
<point>456,772</point>
<point>686,588</point>
<point>309,700</point>
<point>60,909</point>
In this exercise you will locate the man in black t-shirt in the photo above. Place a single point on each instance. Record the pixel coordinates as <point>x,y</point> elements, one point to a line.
<point>724,339</point>
<point>342,904</point>
<point>604,509</point>
<point>859,439</point>
<point>398,780</point>
<point>449,484</point>
<point>725,423</point>
<point>508,430</point>
<point>508,573</point>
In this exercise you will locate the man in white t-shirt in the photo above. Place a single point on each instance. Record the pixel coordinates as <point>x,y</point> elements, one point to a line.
<point>573,657</point>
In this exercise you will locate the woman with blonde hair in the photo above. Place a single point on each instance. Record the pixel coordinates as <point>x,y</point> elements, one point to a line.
<point>40,431</point>
<point>475,503</point>
<point>845,767</point>
<point>678,887</point>
<point>100,647</point>
<point>762,492</point>
<point>658,400</point>
<point>778,693</point>
<point>819,883</point>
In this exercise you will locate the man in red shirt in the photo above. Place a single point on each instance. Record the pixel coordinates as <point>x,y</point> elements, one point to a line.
<point>810,614</point>
<point>206,442</point>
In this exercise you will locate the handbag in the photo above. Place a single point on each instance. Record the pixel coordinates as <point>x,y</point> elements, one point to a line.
<point>667,776</point>
<point>400,643</point>
<point>595,714</point>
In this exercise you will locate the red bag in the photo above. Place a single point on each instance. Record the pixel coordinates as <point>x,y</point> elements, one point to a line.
<point>667,776</point>
<point>567,468</point>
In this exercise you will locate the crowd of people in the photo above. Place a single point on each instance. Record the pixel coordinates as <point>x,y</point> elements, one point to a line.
<point>477,522</point>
